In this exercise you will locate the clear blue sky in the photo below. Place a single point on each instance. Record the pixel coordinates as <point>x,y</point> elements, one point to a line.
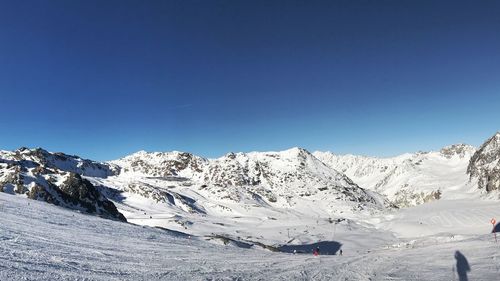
<point>103,79</point>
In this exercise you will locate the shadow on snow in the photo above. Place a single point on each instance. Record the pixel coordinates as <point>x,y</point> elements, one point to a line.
<point>462,266</point>
<point>325,248</point>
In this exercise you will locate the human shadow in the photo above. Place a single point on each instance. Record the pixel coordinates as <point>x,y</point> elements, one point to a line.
<point>462,266</point>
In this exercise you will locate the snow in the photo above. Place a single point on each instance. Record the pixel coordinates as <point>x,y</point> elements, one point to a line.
<point>45,242</point>
<point>409,179</point>
<point>183,210</point>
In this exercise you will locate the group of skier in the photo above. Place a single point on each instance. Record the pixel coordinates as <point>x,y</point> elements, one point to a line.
<point>316,252</point>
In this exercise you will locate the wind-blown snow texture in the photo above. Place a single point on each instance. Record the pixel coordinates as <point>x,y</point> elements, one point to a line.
<point>410,179</point>
<point>243,208</point>
<point>44,242</point>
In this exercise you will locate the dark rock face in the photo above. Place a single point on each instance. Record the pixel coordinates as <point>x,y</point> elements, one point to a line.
<point>485,164</point>
<point>32,172</point>
<point>283,175</point>
<point>67,163</point>
<point>81,192</point>
<point>163,164</point>
<point>39,192</point>
<point>462,150</point>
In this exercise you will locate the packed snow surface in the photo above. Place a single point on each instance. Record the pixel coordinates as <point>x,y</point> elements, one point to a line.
<point>420,216</point>
<point>40,241</point>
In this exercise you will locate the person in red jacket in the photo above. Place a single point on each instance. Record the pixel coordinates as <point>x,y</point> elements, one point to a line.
<point>316,251</point>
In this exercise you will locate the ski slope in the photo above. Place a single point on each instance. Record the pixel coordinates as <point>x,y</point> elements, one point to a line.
<point>45,242</point>
<point>412,178</point>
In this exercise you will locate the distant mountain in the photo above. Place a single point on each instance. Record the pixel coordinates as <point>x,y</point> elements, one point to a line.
<point>56,178</point>
<point>409,179</point>
<point>161,164</point>
<point>277,178</point>
<point>280,177</point>
<point>484,166</point>
<point>189,187</point>
<point>63,162</point>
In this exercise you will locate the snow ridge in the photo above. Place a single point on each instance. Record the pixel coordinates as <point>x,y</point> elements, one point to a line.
<point>484,166</point>
<point>409,179</point>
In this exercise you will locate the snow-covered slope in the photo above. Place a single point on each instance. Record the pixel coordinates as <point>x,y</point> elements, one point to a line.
<point>409,179</point>
<point>44,242</point>
<point>54,178</point>
<point>264,178</point>
<point>161,164</point>
<point>231,195</point>
<point>484,166</point>
<point>281,178</point>
<point>263,201</point>
<point>61,161</point>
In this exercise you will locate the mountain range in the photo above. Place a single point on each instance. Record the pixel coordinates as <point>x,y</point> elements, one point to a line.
<point>183,191</point>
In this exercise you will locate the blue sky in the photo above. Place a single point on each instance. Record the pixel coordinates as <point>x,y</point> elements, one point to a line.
<point>103,79</point>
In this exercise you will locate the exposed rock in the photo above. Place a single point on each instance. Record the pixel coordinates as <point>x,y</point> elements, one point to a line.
<point>484,166</point>
<point>162,164</point>
<point>407,198</point>
<point>278,178</point>
<point>460,150</point>
<point>35,173</point>
<point>64,162</point>
<point>80,191</point>
<point>424,172</point>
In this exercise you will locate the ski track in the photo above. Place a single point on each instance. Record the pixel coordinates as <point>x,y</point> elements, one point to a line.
<point>44,242</point>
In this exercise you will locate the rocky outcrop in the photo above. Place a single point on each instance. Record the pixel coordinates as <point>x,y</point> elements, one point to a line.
<point>64,162</point>
<point>278,178</point>
<point>35,174</point>
<point>81,192</point>
<point>457,150</point>
<point>407,198</point>
<point>484,166</point>
<point>409,179</point>
<point>162,164</point>
<point>281,178</point>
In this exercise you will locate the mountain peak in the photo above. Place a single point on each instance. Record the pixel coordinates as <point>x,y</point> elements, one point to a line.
<point>24,149</point>
<point>460,149</point>
<point>485,164</point>
<point>296,152</point>
<point>298,149</point>
<point>161,164</point>
<point>495,137</point>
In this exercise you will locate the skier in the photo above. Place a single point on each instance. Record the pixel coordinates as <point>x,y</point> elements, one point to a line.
<point>341,252</point>
<point>316,251</point>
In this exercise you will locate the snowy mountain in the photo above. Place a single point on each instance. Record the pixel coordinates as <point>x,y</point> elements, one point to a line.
<point>409,179</point>
<point>42,242</point>
<point>484,165</point>
<point>248,207</point>
<point>277,178</point>
<point>56,179</point>
<point>161,164</point>
<point>228,196</point>
<point>281,177</point>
